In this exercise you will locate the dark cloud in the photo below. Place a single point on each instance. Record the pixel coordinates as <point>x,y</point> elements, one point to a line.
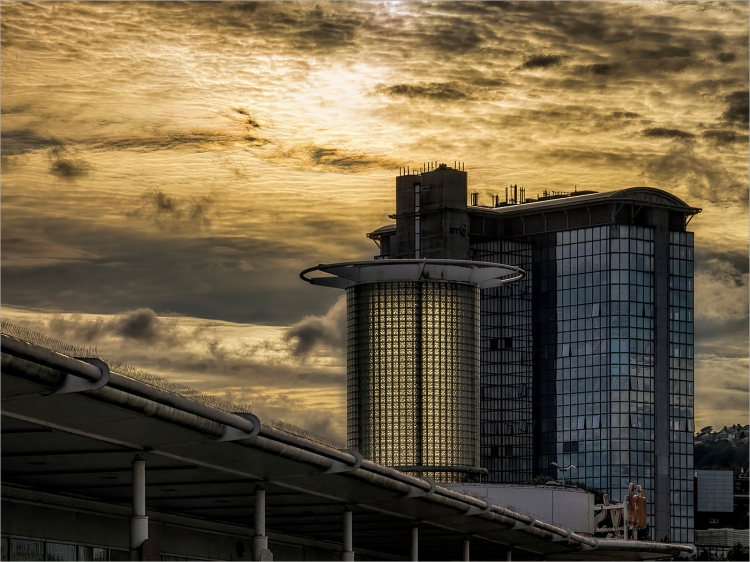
<point>69,168</point>
<point>712,87</point>
<point>195,276</point>
<point>738,110</point>
<point>318,29</point>
<point>248,119</point>
<point>64,163</point>
<point>721,301</point>
<point>444,91</point>
<point>139,325</point>
<point>458,37</point>
<point>726,57</point>
<point>189,140</point>
<point>723,138</point>
<point>325,158</point>
<point>167,210</point>
<point>665,51</point>
<point>625,115</point>
<point>313,331</point>
<point>21,248</point>
<point>21,141</point>
<point>705,177</point>
<point>543,62</point>
<point>661,132</point>
<point>732,260</point>
<point>601,69</point>
<point>142,326</point>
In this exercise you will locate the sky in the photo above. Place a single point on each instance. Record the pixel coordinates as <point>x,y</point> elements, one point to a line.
<point>168,169</point>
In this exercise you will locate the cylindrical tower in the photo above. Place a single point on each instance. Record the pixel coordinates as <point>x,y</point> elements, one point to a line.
<point>413,361</point>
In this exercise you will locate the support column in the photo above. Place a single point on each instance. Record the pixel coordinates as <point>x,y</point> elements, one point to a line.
<point>348,553</point>
<point>414,552</point>
<point>508,556</point>
<point>260,540</point>
<point>138,521</point>
<point>659,219</point>
<point>467,546</point>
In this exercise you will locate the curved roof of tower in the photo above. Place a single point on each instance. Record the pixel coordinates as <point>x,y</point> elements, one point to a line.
<point>649,196</point>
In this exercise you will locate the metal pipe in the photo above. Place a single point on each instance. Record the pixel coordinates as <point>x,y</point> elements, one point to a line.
<point>51,369</point>
<point>629,545</point>
<point>179,402</point>
<point>49,358</point>
<point>35,372</point>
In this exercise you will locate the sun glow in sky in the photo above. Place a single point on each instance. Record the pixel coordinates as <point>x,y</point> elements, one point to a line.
<point>168,169</point>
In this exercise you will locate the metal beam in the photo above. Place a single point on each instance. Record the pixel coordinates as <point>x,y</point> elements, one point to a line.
<point>26,473</point>
<point>64,453</point>
<point>26,430</point>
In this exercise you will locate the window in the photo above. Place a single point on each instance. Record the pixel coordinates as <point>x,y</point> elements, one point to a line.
<point>507,343</point>
<point>26,550</point>
<point>493,344</point>
<point>60,551</point>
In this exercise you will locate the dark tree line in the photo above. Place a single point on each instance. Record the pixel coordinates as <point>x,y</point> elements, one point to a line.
<point>720,455</point>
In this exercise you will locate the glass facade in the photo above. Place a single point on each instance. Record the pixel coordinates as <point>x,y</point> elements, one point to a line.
<point>582,337</point>
<point>506,368</point>
<point>413,376</point>
<point>681,389</point>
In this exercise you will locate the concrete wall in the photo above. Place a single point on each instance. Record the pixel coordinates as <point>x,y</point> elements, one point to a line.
<point>444,220</point>
<point>567,507</point>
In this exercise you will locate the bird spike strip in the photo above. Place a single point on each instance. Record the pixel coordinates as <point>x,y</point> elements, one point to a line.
<point>156,381</point>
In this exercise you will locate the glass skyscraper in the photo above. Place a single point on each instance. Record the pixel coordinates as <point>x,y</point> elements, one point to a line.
<point>588,360</point>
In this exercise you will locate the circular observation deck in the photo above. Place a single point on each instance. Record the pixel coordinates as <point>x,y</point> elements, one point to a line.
<point>347,274</point>
<point>413,340</point>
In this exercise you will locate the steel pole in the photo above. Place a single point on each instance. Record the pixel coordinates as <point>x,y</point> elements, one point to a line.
<point>138,521</point>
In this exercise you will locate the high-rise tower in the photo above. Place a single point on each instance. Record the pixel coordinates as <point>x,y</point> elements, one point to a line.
<point>413,361</point>
<point>588,360</point>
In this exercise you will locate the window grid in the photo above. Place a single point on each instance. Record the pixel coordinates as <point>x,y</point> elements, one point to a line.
<point>681,389</point>
<point>593,334</point>
<point>413,375</point>
<point>506,368</point>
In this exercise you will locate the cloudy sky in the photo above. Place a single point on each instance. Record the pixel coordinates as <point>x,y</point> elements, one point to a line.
<point>168,169</point>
